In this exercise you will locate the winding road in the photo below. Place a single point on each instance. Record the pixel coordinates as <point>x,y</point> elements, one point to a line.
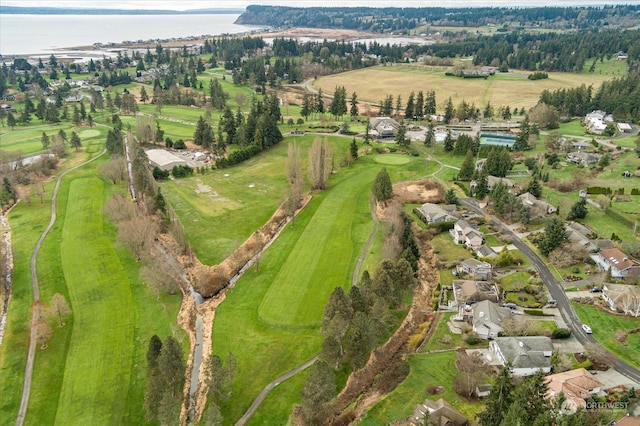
<point>555,290</point>
<point>28,370</point>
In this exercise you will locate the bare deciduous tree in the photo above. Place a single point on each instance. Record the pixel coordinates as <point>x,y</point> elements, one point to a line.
<point>319,163</point>
<point>60,308</point>
<point>160,276</point>
<point>119,208</point>
<point>39,323</point>
<point>294,176</point>
<point>599,355</point>
<point>113,169</point>
<point>472,372</point>
<point>138,234</point>
<point>146,129</point>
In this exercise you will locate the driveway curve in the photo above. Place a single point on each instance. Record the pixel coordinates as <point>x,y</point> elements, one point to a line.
<point>28,370</point>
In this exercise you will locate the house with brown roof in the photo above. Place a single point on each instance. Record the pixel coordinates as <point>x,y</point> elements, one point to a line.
<point>576,385</point>
<point>628,420</point>
<point>616,261</point>
<point>441,413</point>
<point>467,291</point>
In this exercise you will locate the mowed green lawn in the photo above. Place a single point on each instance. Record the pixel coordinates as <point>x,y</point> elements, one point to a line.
<point>604,327</point>
<point>270,319</point>
<point>436,369</point>
<point>320,259</point>
<point>94,370</point>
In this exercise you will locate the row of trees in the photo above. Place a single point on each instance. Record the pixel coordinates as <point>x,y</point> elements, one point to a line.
<point>353,325</point>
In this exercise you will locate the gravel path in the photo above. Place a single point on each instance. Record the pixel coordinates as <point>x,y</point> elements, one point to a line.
<point>28,370</point>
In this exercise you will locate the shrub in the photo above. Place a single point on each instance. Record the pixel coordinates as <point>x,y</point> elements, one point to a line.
<point>536,312</point>
<point>472,339</point>
<point>561,333</point>
<point>587,365</point>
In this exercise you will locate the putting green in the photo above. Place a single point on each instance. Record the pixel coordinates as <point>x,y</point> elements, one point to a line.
<point>89,133</point>
<point>392,159</point>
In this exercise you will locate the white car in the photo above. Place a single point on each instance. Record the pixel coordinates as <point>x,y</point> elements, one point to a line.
<point>586,328</point>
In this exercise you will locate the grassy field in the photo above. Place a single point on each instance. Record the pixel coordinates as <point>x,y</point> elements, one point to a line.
<point>604,326</point>
<point>515,91</point>
<point>270,319</point>
<point>426,370</point>
<point>94,368</point>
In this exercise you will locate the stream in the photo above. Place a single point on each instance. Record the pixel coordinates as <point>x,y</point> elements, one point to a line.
<point>8,262</point>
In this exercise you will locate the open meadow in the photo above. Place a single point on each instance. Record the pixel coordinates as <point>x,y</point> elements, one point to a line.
<point>513,89</point>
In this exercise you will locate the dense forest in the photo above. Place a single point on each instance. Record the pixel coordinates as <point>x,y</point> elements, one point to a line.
<point>403,20</point>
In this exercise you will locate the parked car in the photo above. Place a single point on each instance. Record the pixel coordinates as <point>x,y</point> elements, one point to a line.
<point>596,290</point>
<point>586,329</point>
<point>552,303</point>
<point>510,305</point>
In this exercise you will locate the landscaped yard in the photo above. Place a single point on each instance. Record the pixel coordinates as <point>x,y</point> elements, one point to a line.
<point>604,326</point>
<point>436,369</point>
<point>449,252</point>
<point>436,342</point>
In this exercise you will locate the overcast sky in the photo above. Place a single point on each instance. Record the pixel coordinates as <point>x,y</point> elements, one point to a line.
<point>240,4</point>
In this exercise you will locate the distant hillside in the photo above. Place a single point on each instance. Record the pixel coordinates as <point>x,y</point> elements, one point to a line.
<point>14,10</point>
<point>405,19</point>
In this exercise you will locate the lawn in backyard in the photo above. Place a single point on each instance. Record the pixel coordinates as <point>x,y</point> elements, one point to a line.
<point>604,326</point>
<point>438,340</point>
<point>435,369</point>
<point>449,252</point>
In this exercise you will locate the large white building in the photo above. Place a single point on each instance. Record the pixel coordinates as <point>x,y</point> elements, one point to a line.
<point>164,159</point>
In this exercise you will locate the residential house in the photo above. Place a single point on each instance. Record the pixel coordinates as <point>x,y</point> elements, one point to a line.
<point>441,413</point>
<point>474,268</point>
<point>467,292</point>
<point>6,108</point>
<point>596,121</point>
<point>621,56</point>
<point>383,127</point>
<point>616,261</point>
<point>579,145</point>
<point>487,318</point>
<point>434,213</point>
<point>486,252</point>
<point>526,354</point>
<point>532,202</point>
<point>584,158</point>
<point>463,233</point>
<point>576,385</point>
<point>579,234</point>
<point>624,127</point>
<point>623,297</point>
<point>492,181</point>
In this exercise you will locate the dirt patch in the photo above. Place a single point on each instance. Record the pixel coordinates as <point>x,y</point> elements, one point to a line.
<point>418,192</point>
<point>321,34</point>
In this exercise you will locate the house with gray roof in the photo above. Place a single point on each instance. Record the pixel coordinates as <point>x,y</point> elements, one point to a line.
<point>441,413</point>
<point>534,203</point>
<point>434,213</point>
<point>474,268</point>
<point>526,354</point>
<point>383,127</point>
<point>584,158</point>
<point>486,251</point>
<point>463,233</point>
<point>624,297</point>
<point>487,318</point>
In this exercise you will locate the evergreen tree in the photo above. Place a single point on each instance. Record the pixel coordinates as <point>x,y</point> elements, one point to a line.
<point>555,234</point>
<point>409,112</point>
<point>499,400</point>
<point>153,352</point>
<point>382,188</point>
<point>353,149</point>
<point>463,144</point>
<point>578,210</point>
<point>467,167</point>
<point>46,142</point>
<point>448,142</point>
<point>482,185</point>
<point>401,138</point>
<point>449,111</point>
<point>318,390</point>
<point>535,187</point>
<point>450,197</point>
<point>354,106</point>
<point>75,141</point>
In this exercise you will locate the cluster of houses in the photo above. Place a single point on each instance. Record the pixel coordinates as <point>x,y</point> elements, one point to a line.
<point>596,123</point>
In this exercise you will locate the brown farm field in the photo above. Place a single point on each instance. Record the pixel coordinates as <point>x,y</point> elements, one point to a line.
<point>513,89</point>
